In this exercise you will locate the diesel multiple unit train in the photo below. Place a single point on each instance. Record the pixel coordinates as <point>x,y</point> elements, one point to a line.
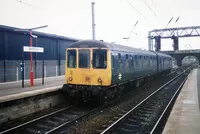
<point>97,69</point>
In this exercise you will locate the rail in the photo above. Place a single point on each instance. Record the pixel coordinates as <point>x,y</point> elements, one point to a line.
<point>121,119</point>
<point>34,120</point>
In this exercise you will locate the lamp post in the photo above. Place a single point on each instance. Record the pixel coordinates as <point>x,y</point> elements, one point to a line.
<point>93,21</point>
<point>31,61</point>
<point>31,44</point>
<point>31,56</point>
<point>35,37</point>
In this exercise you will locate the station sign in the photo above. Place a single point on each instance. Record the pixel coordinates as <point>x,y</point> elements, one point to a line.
<point>33,49</point>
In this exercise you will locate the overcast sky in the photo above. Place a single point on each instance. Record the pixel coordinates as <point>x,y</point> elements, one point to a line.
<point>114,18</point>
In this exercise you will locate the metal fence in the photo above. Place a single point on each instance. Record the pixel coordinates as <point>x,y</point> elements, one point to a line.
<point>11,70</point>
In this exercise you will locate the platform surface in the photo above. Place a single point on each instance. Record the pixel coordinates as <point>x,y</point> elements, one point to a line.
<point>185,116</point>
<point>14,90</point>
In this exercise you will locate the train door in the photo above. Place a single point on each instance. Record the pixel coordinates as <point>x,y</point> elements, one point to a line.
<point>71,58</point>
<point>101,66</point>
<point>71,64</point>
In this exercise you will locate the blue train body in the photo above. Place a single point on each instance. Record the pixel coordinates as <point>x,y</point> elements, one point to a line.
<point>130,63</point>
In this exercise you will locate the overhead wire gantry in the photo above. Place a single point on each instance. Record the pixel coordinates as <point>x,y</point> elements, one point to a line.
<point>173,33</point>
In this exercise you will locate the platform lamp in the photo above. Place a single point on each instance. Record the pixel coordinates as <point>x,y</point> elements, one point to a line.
<point>31,44</point>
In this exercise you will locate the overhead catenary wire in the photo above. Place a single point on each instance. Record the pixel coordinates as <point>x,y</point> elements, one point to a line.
<point>131,5</point>
<point>149,8</point>
<point>177,19</point>
<point>169,22</point>
<point>132,30</point>
<point>154,5</point>
<point>27,4</point>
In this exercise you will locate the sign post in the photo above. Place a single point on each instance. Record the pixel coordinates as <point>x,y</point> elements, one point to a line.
<point>36,50</point>
<point>22,72</point>
<point>31,60</point>
<point>42,72</point>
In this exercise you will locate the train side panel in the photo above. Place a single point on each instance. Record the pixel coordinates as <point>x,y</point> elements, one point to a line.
<point>164,62</point>
<point>129,66</point>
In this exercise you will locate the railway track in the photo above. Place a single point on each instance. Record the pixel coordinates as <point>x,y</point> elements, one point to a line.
<point>61,121</point>
<point>50,122</point>
<point>146,116</point>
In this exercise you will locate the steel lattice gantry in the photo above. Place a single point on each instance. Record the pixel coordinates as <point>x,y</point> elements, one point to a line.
<point>173,33</point>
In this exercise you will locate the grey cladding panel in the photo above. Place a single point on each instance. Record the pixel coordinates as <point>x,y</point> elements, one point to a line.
<point>63,46</point>
<point>15,45</point>
<point>2,46</point>
<point>50,49</point>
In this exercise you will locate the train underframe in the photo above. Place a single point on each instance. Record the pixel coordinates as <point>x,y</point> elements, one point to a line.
<point>99,95</point>
<point>82,94</point>
<point>102,94</point>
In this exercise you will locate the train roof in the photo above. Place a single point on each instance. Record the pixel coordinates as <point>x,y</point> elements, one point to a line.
<point>163,55</point>
<point>113,47</point>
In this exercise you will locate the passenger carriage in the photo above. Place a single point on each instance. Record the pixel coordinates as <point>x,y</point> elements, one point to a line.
<point>94,66</point>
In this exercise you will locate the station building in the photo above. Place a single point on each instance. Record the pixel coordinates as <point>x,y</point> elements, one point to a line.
<point>12,54</point>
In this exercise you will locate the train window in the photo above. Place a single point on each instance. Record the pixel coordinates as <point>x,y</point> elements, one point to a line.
<point>84,58</point>
<point>136,59</point>
<point>149,61</point>
<point>99,58</point>
<point>119,56</point>
<point>71,58</point>
<point>132,61</point>
<point>113,62</point>
<point>130,57</point>
<point>126,56</point>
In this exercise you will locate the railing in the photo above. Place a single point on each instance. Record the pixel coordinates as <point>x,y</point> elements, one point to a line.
<point>12,71</point>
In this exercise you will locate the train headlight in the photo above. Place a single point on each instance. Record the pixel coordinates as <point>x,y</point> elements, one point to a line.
<point>99,80</point>
<point>70,78</point>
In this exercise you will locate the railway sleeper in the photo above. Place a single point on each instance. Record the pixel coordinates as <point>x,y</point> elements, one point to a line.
<point>131,125</point>
<point>126,131</point>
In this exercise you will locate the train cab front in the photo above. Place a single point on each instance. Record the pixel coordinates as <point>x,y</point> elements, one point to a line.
<point>87,71</point>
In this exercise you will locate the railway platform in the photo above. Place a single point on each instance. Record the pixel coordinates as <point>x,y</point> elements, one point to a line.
<point>13,90</point>
<point>185,115</point>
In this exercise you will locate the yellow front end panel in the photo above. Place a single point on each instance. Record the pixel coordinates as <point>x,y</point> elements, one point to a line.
<point>89,76</point>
